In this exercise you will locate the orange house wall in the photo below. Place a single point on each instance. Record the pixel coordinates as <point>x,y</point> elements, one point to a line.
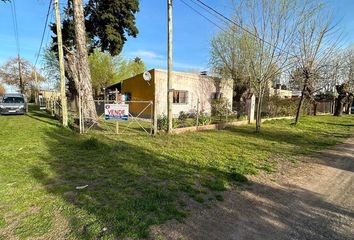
<point>140,90</point>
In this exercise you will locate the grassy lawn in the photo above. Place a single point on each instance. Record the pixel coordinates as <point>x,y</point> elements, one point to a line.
<point>136,181</point>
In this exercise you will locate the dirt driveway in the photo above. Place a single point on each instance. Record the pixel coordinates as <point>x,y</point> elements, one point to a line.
<point>313,200</point>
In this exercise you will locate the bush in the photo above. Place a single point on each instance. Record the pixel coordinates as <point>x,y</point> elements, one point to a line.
<point>203,119</point>
<point>220,107</point>
<point>182,119</point>
<point>162,122</point>
<point>275,106</point>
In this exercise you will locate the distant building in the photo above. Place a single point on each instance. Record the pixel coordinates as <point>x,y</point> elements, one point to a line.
<point>281,93</point>
<point>188,90</point>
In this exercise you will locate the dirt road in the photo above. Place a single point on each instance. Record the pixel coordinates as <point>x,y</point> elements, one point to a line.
<point>313,200</point>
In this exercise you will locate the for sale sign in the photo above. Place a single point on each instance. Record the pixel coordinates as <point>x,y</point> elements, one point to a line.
<point>116,112</point>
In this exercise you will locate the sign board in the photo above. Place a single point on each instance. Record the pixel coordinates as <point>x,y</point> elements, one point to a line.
<point>116,112</point>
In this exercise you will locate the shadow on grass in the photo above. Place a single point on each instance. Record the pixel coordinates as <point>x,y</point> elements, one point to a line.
<point>125,188</point>
<point>129,188</point>
<point>306,142</point>
<point>42,116</point>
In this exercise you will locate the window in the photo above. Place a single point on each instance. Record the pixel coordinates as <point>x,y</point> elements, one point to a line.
<point>180,96</point>
<point>13,100</point>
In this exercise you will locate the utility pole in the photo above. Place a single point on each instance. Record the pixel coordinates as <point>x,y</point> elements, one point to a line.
<point>61,66</point>
<point>169,68</point>
<point>20,74</point>
<point>37,86</point>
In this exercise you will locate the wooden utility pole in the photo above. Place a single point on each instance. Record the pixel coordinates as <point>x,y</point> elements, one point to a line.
<point>61,66</point>
<point>169,68</point>
<point>37,86</point>
<point>22,89</point>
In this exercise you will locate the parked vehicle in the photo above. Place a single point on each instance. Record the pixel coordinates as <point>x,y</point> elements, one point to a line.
<point>13,104</point>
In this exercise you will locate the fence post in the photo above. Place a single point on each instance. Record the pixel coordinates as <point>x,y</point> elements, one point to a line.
<point>80,114</point>
<point>151,117</point>
<point>117,124</point>
<point>197,113</point>
<point>52,106</point>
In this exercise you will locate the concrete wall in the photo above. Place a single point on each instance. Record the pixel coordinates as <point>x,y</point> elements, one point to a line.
<point>196,85</point>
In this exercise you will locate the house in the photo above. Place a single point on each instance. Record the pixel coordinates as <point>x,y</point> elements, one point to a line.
<point>282,93</point>
<point>189,89</point>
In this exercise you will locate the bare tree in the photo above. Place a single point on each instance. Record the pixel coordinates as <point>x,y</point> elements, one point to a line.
<point>272,26</point>
<point>316,43</point>
<point>9,73</point>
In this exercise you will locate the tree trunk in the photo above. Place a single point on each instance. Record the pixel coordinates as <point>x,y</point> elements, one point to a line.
<point>315,104</point>
<point>339,107</point>
<point>259,112</point>
<point>84,75</point>
<point>349,110</point>
<point>302,99</point>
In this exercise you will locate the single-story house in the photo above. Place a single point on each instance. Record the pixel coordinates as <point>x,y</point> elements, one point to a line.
<point>188,90</point>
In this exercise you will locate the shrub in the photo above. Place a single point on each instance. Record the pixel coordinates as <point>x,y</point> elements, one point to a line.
<point>203,119</point>
<point>275,106</point>
<point>182,119</point>
<point>220,107</point>
<point>162,122</point>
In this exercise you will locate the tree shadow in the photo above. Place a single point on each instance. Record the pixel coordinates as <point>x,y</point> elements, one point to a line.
<point>271,212</point>
<point>309,144</point>
<point>40,116</point>
<point>112,188</point>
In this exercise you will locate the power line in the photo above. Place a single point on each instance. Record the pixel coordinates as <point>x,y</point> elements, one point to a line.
<point>14,22</point>
<point>199,13</point>
<point>209,11</point>
<point>243,28</point>
<point>44,30</point>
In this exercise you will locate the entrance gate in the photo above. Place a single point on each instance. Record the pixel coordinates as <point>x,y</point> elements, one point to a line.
<point>140,119</point>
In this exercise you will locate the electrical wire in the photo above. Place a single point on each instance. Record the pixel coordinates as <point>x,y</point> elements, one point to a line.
<point>205,17</point>
<point>15,25</point>
<point>43,34</point>
<point>243,28</point>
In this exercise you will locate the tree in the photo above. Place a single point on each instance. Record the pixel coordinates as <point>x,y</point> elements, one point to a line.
<point>272,26</point>
<point>51,68</point>
<point>227,59</point>
<point>345,97</point>
<point>108,23</point>
<point>83,82</point>
<point>316,43</point>
<point>129,68</point>
<point>9,73</point>
<point>103,70</point>
<point>107,70</point>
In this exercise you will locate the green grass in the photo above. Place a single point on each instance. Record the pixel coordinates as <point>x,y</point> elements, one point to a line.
<point>136,181</point>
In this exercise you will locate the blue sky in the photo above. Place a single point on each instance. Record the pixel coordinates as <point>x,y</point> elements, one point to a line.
<point>192,33</point>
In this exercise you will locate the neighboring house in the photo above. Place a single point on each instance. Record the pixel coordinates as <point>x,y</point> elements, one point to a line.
<point>281,93</point>
<point>48,94</point>
<point>188,89</point>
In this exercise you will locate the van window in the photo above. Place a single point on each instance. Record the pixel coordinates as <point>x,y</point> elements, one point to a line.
<point>13,100</point>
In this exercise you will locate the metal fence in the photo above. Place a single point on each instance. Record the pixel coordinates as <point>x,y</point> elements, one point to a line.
<point>140,119</point>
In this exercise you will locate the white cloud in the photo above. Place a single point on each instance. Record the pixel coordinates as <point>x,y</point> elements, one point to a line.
<point>146,54</point>
<point>155,60</point>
